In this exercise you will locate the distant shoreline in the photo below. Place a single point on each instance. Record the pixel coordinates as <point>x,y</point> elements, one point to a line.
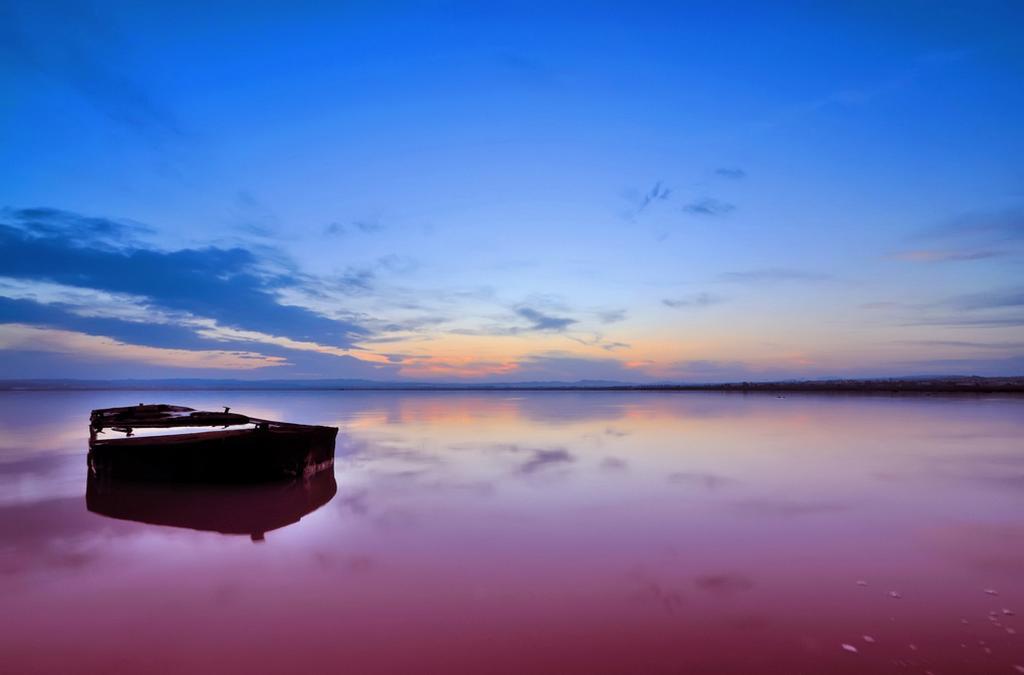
<point>948,385</point>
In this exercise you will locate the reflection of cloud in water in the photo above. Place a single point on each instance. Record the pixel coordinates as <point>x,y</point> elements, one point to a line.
<point>56,533</point>
<point>474,487</point>
<point>723,584</point>
<point>391,449</point>
<point>356,503</point>
<point>41,478</point>
<point>614,464</point>
<point>396,519</point>
<point>540,458</point>
<point>668,599</point>
<point>1002,470</point>
<point>543,459</point>
<point>784,508</point>
<point>711,481</point>
<point>562,407</point>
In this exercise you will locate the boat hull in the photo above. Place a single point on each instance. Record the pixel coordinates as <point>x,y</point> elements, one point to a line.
<point>240,455</point>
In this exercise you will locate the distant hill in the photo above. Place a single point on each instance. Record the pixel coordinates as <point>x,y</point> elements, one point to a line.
<point>945,384</point>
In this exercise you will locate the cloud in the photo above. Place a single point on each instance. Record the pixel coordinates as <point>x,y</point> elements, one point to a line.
<point>597,340</point>
<point>75,229</point>
<point>924,255</point>
<point>363,226</point>
<point>397,264</point>
<point>710,370</point>
<point>352,280</point>
<point>969,344</point>
<point>641,202</point>
<point>20,337</point>
<point>254,217</point>
<point>995,299</point>
<point>657,193</point>
<point>98,278</point>
<point>612,316</point>
<point>953,366</point>
<point>709,206</point>
<point>972,236</point>
<point>234,285</point>
<point>774,275</point>
<point>569,368</point>
<point>141,328</point>
<point>544,322</point>
<point>696,301</point>
<point>730,172</point>
<point>1005,226</point>
<point>988,322</point>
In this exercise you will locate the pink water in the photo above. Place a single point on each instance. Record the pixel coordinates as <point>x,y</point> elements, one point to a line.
<point>538,533</point>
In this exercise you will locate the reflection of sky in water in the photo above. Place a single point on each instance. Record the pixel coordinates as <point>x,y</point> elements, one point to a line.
<point>597,532</point>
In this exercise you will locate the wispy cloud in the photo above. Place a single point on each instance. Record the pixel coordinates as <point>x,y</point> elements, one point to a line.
<point>708,206</point>
<point>642,201</point>
<point>693,301</point>
<point>733,172</point>
<point>658,193</point>
<point>938,256</point>
<point>977,321</point>
<point>862,94</point>
<point>254,217</point>
<point>611,315</point>
<point>597,340</point>
<point>995,299</point>
<point>362,226</point>
<point>978,235</point>
<point>544,322</point>
<point>775,275</point>
<point>968,344</point>
<point>987,226</point>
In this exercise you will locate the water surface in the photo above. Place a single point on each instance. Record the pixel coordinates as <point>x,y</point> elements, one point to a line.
<point>510,532</point>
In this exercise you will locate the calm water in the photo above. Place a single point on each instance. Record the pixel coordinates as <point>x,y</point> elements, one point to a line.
<point>533,533</point>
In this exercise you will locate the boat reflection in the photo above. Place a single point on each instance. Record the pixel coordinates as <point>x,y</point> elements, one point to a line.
<point>253,510</point>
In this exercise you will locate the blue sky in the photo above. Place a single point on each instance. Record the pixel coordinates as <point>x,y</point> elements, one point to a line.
<point>515,191</point>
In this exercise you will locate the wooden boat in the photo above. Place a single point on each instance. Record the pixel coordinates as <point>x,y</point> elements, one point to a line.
<point>244,448</point>
<point>251,510</point>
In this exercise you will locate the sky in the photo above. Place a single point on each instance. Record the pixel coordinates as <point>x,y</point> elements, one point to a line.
<point>499,192</point>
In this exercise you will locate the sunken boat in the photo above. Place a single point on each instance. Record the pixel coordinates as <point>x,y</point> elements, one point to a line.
<point>203,446</point>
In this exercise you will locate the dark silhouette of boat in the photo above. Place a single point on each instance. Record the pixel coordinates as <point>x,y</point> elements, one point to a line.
<point>243,449</point>
<point>251,510</point>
